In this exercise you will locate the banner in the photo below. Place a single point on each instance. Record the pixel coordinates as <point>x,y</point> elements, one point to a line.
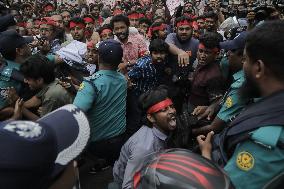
<point>172,5</point>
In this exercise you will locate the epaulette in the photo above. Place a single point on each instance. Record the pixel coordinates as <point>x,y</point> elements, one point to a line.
<point>6,73</point>
<point>93,77</point>
<point>267,137</point>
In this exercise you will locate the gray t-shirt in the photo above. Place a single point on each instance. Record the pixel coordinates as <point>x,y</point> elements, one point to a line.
<point>189,46</point>
<point>144,142</point>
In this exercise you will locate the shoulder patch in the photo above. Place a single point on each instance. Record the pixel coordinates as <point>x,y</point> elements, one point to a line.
<point>82,85</point>
<point>245,161</point>
<point>229,102</point>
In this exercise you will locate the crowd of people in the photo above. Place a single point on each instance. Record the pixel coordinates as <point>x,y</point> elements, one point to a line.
<point>183,97</point>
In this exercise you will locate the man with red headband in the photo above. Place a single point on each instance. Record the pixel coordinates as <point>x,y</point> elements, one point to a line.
<point>207,85</point>
<point>183,39</point>
<point>105,32</point>
<point>158,31</point>
<point>48,8</point>
<point>134,18</point>
<point>90,24</point>
<point>47,36</point>
<point>77,28</point>
<point>161,117</point>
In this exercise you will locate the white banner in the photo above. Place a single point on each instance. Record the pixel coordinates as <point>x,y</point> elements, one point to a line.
<point>172,5</point>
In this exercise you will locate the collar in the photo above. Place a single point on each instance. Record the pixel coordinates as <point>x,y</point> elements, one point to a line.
<point>13,64</point>
<point>106,72</point>
<point>240,74</point>
<point>159,134</point>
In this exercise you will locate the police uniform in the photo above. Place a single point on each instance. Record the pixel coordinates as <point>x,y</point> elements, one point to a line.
<point>258,160</point>
<point>251,147</point>
<point>9,77</point>
<point>103,97</point>
<point>231,104</point>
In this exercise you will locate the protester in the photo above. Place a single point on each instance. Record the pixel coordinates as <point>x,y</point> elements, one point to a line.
<point>107,54</point>
<point>161,116</point>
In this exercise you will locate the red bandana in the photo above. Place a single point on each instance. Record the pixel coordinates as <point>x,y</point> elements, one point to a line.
<point>88,20</point>
<point>201,46</point>
<point>184,23</point>
<point>133,16</point>
<point>159,106</point>
<point>106,31</point>
<point>74,24</point>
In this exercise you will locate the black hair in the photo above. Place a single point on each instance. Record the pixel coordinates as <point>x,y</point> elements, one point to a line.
<point>153,96</point>
<point>106,26</point>
<point>77,20</point>
<point>158,45</point>
<point>38,66</point>
<point>159,17</point>
<point>211,14</point>
<point>119,18</point>
<point>95,5</point>
<point>145,20</point>
<point>132,12</point>
<point>155,34</point>
<point>9,54</point>
<point>266,43</point>
<point>89,16</point>
<point>181,19</point>
<point>210,40</point>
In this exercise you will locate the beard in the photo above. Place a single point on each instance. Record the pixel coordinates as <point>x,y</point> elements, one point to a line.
<point>249,89</point>
<point>122,35</point>
<point>183,41</point>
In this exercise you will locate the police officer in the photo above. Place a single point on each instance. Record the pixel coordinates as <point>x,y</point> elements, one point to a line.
<point>251,148</point>
<point>14,49</point>
<point>103,97</point>
<point>231,105</point>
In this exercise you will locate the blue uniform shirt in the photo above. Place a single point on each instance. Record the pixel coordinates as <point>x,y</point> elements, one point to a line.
<point>6,81</point>
<point>257,161</point>
<point>103,97</point>
<point>232,105</point>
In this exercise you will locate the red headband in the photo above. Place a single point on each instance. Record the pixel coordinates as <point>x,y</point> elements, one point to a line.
<point>140,15</point>
<point>159,106</point>
<point>133,16</point>
<point>116,12</point>
<point>22,24</point>
<point>106,31</point>
<point>156,28</point>
<point>201,46</point>
<point>74,24</point>
<point>48,8</point>
<point>184,23</point>
<point>90,44</point>
<point>47,21</point>
<point>89,20</point>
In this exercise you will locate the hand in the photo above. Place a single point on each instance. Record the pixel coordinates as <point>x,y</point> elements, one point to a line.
<point>122,67</point>
<point>39,110</point>
<point>183,59</point>
<point>205,144</point>
<point>45,47</point>
<point>65,84</point>
<point>12,95</point>
<point>18,110</point>
<point>207,113</point>
<point>199,110</point>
